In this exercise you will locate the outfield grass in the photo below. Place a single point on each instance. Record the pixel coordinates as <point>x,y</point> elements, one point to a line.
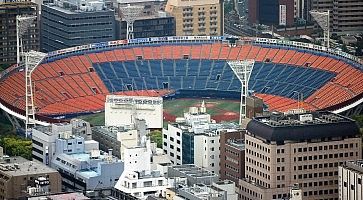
<point>177,108</point>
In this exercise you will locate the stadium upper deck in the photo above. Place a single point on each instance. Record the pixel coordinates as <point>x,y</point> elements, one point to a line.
<point>76,80</point>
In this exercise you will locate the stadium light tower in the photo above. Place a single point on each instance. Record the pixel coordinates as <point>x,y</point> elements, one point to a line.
<point>130,13</point>
<point>22,25</point>
<point>242,69</point>
<point>323,20</point>
<point>32,60</point>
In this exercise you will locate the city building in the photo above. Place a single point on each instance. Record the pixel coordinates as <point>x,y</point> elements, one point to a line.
<point>83,166</point>
<point>232,158</point>
<point>21,178</point>
<point>44,137</point>
<point>119,138</point>
<point>282,150</point>
<point>67,23</point>
<point>138,178</point>
<point>193,174</point>
<point>271,12</point>
<point>124,110</point>
<point>221,190</point>
<point>195,140</point>
<point>203,17</point>
<point>350,180</point>
<point>8,31</point>
<point>62,196</point>
<point>346,16</point>
<point>153,21</point>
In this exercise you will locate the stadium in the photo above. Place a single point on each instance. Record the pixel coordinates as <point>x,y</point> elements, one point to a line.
<point>75,81</point>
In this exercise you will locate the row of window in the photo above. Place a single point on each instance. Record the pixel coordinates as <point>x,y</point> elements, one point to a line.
<point>316,175</point>
<point>325,147</point>
<point>258,146</point>
<point>325,156</point>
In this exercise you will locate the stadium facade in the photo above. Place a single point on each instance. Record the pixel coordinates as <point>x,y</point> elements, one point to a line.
<point>192,66</point>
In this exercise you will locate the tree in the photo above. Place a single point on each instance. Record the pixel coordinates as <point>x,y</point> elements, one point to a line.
<point>344,48</point>
<point>16,146</point>
<point>156,137</point>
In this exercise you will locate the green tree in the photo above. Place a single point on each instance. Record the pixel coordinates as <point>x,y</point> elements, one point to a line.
<point>16,146</point>
<point>156,137</point>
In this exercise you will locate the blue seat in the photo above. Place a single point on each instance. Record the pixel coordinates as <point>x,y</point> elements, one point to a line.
<point>130,67</point>
<point>193,67</point>
<point>180,68</point>
<point>155,67</point>
<point>188,82</point>
<point>168,67</point>
<point>120,70</point>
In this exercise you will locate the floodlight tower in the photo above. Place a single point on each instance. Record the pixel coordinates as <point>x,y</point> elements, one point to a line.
<point>32,60</point>
<point>130,13</point>
<point>22,25</point>
<point>242,69</point>
<point>323,20</point>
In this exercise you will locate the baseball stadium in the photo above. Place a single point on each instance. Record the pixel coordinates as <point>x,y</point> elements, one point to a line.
<point>75,81</point>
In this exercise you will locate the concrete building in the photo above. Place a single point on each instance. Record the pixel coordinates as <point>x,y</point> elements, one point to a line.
<point>67,23</point>
<point>271,12</point>
<point>232,156</point>
<point>139,179</point>
<point>62,196</point>
<point>21,178</point>
<point>195,140</point>
<point>346,16</point>
<point>44,138</point>
<point>83,166</point>
<point>304,149</point>
<point>202,17</point>
<point>350,180</point>
<point>124,110</point>
<point>193,174</point>
<point>153,21</point>
<point>8,44</point>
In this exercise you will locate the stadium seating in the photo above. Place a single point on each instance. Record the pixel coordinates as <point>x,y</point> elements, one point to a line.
<point>79,83</point>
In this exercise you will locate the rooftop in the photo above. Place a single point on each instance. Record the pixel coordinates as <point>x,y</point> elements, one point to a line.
<point>237,143</point>
<point>19,166</point>
<point>356,166</point>
<point>294,127</point>
<point>73,196</point>
<point>193,171</point>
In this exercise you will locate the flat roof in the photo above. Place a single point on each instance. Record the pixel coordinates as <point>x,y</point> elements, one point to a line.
<point>19,166</point>
<point>305,126</point>
<point>193,171</point>
<point>73,196</point>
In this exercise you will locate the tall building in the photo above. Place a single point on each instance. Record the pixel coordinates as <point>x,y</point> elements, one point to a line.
<point>346,16</point>
<point>304,149</point>
<point>21,178</point>
<point>8,33</point>
<point>153,21</point>
<point>350,180</point>
<point>232,158</point>
<point>67,23</point>
<point>271,12</point>
<point>202,17</point>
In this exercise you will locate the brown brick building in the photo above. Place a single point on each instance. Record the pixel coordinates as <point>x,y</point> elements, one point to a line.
<point>232,153</point>
<point>17,174</point>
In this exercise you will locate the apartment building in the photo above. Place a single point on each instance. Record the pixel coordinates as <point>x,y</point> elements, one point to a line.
<point>304,149</point>
<point>350,180</point>
<point>202,17</point>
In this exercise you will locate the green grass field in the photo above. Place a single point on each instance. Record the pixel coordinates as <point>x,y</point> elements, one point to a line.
<point>178,106</point>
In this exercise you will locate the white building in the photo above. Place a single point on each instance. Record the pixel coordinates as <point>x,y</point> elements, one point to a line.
<point>123,110</point>
<point>139,179</point>
<point>194,139</point>
<point>350,180</point>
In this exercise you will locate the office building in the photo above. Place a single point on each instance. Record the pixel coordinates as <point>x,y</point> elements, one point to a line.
<point>195,140</point>
<point>66,24</point>
<point>153,21</point>
<point>271,12</point>
<point>304,149</point>
<point>202,17</point>
<point>350,180</point>
<point>8,31</point>
<point>346,16</point>
<point>44,137</point>
<point>62,196</point>
<point>232,156</point>
<point>21,178</point>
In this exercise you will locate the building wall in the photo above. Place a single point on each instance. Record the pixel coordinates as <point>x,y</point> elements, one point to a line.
<point>8,12</point>
<point>43,146</point>
<point>207,152</point>
<point>313,165</point>
<point>201,17</point>
<point>172,144</point>
<point>63,29</point>
<point>14,187</point>
<point>232,159</point>
<point>106,142</point>
<point>123,113</point>
<point>350,183</point>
